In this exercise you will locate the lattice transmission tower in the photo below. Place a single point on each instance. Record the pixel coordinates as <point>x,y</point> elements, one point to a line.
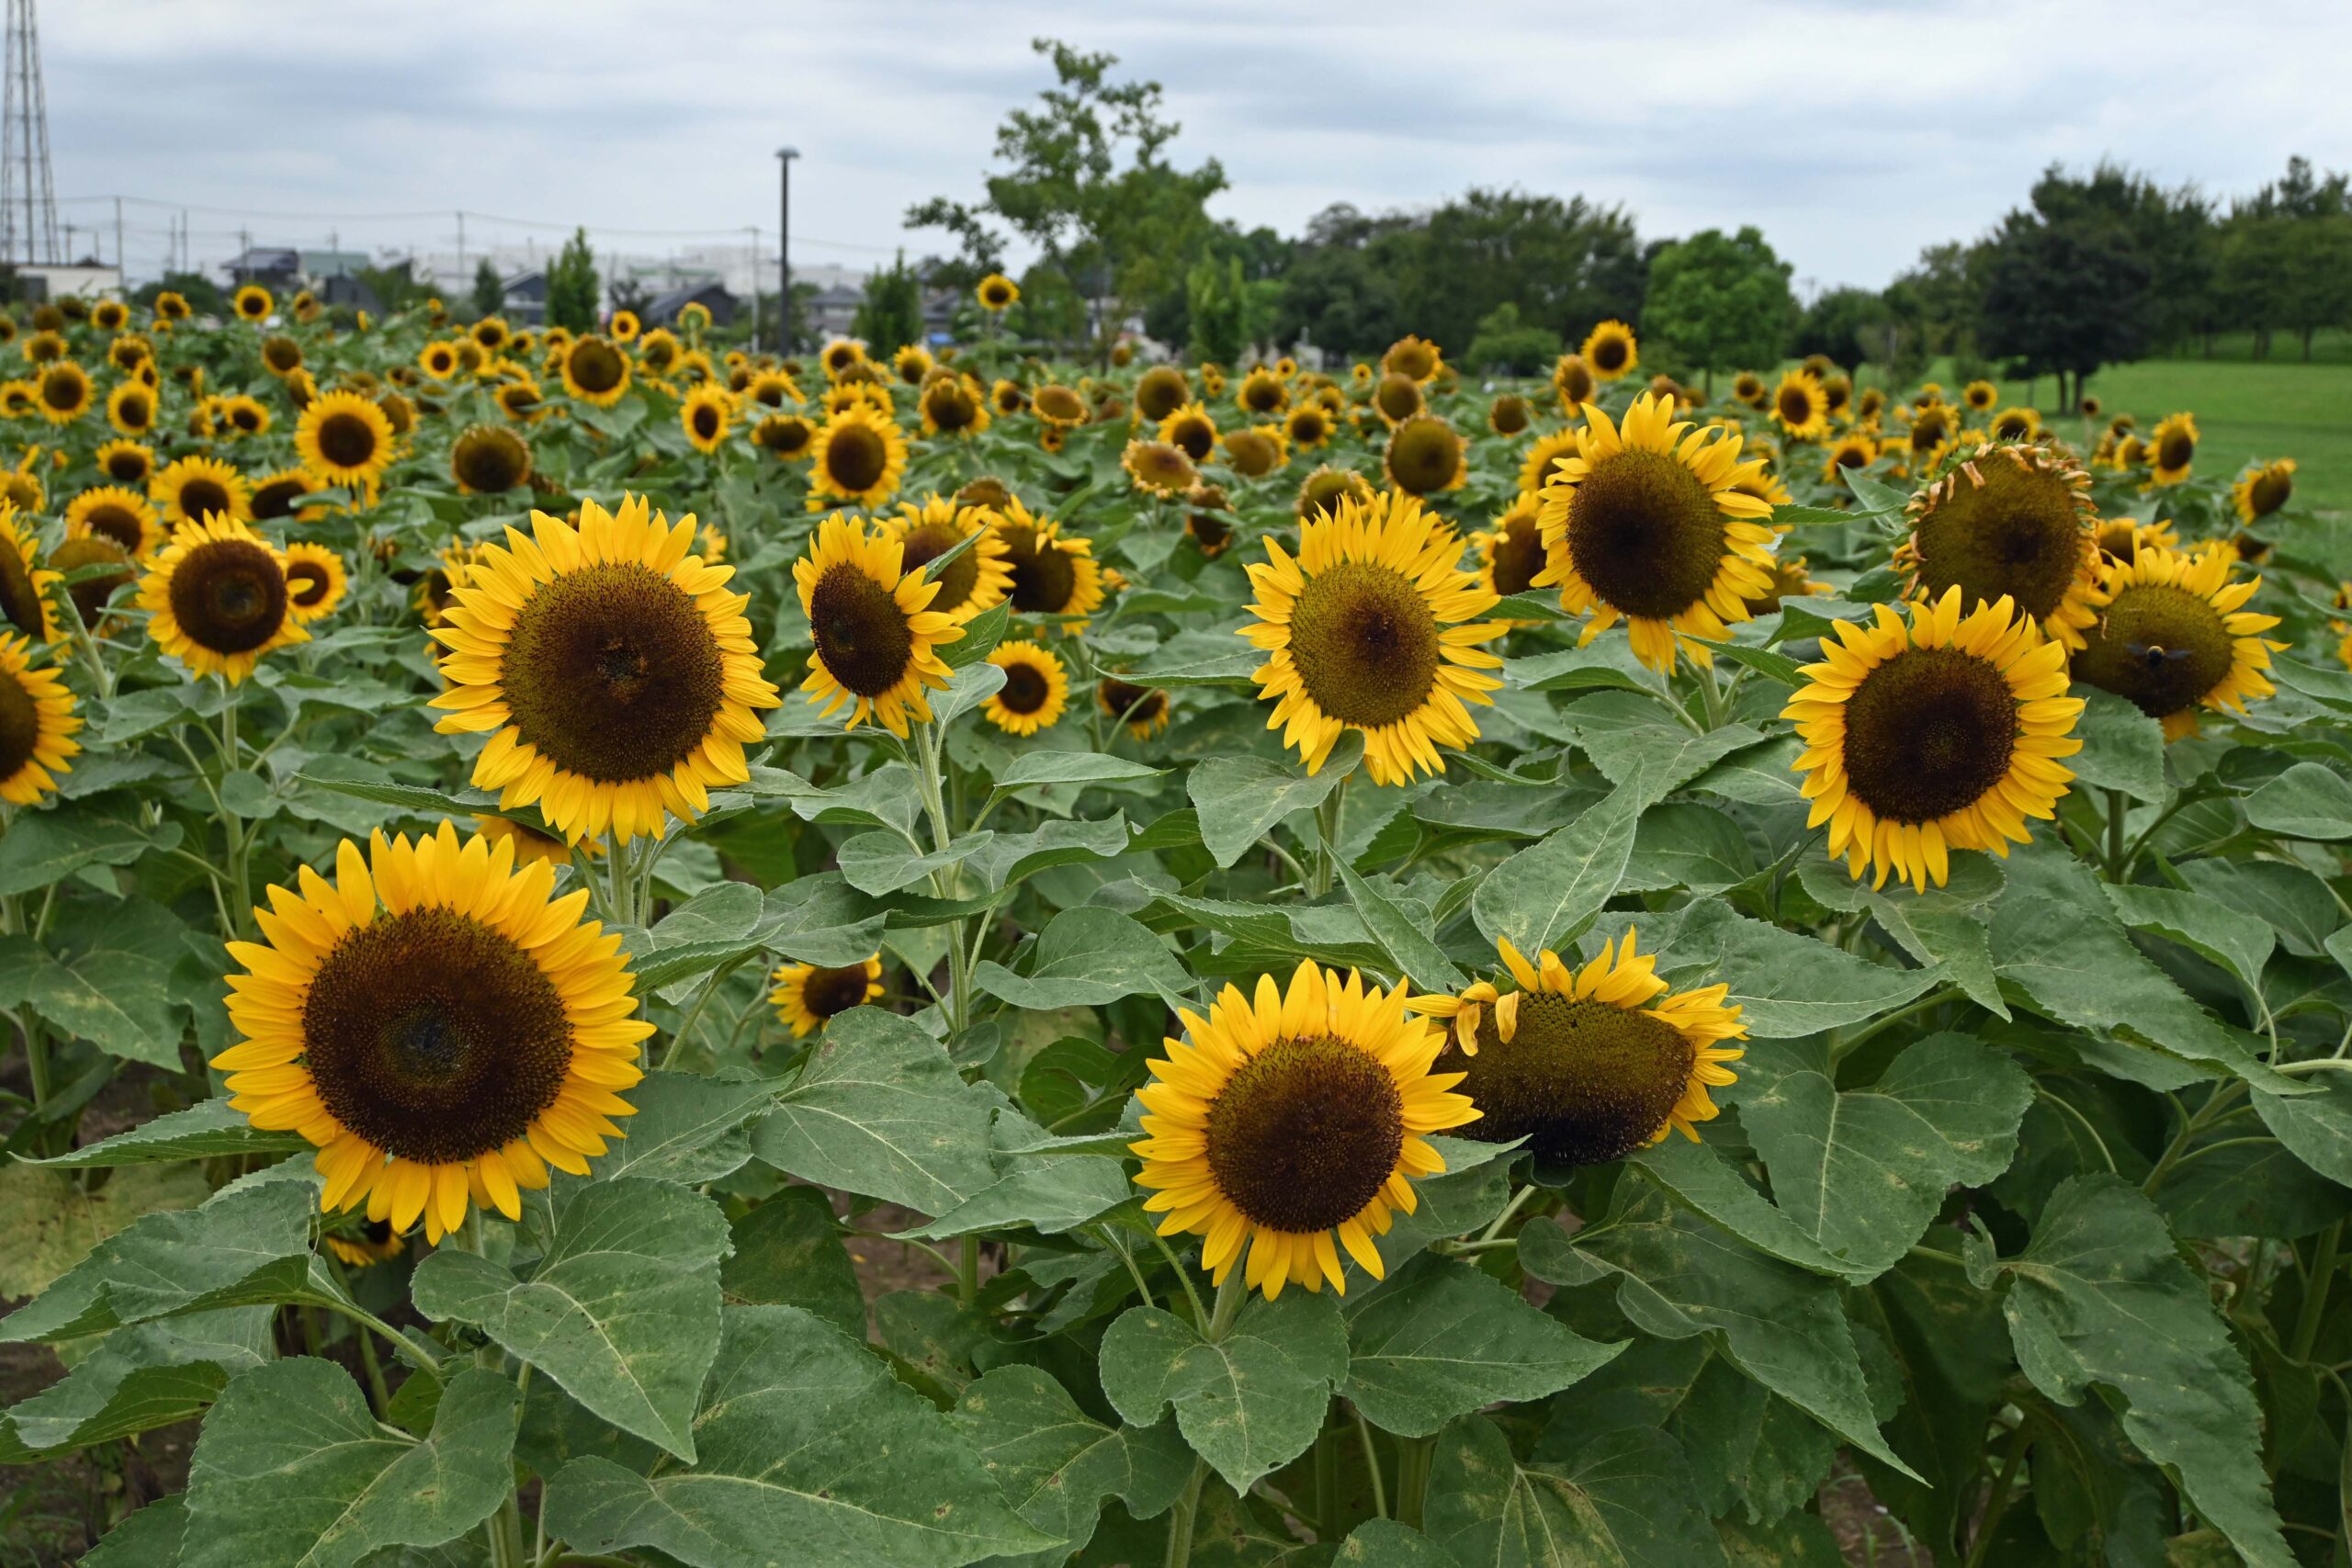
<point>27,195</point>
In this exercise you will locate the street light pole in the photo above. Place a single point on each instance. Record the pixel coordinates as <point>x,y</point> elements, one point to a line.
<point>783,157</point>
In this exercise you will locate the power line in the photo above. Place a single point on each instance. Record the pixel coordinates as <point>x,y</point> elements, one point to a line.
<point>275,214</point>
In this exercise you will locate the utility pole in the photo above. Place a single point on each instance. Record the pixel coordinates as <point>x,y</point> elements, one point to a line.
<point>783,157</point>
<point>461,247</point>
<point>754,233</point>
<point>121,262</point>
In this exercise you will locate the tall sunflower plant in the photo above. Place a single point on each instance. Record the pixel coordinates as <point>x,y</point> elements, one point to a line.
<point>621,949</point>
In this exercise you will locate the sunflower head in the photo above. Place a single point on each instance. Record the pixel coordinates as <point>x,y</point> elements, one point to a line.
<point>314,581</point>
<point>1161,392</point>
<point>1939,735</point>
<point>439,1026</point>
<point>1748,387</point>
<point>1609,351</point>
<point>976,579</point>
<point>91,595</point>
<point>1512,554</point>
<point>997,293</point>
<point>253,303</point>
<point>217,599</point>
<point>1322,492</point>
<point>1143,709</point>
<point>1396,398</point>
<point>1414,357</point>
<point>858,459</point>
<point>1035,691</point>
<point>1980,395</point>
<point>1292,1125</point>
<point>952,406</point>
<point>2016,424</point>
<point>1256,452</point>
<point>126,463</point>
<point>346,440</point>
<point>1159,468</point>
<point>1058,405</point>
<point>36,724</point>
<point>1308,425</point>
<point>1426,455</point>
<point>488,459</point>
<point>1509,414</point>
<point>808,996</point>
<point>1190,431</point>
<point>706,416</point>
<point>595,371</point>
<point>2263,489</point>
<point>2011,522</point>
<point>2173,635</point>
<point>1800,407</point>
<point>788,436</point>
<point>64,392</point>
<point>1052,574</point>
<point>876,636</point>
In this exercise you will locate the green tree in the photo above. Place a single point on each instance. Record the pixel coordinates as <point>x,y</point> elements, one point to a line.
<point>2067,281</point>
<point>1721,301</point>
<point>571,286</point>
<point>1087,182</point>
<point>2317,287</point>
<point>1507,344</point>
<point>891,316</point>
<point>490,292</point>
<point>203,295</point>
<point>1845,325</point>
<point>1215,293</point>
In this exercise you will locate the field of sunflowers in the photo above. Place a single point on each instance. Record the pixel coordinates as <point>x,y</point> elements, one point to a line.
<point>616,952</point>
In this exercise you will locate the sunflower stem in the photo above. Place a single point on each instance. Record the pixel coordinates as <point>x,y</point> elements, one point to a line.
<point>1229,1296</point>
<point>2116,807</point>
<point>1372,1468</point>
<point>2315,1293</point>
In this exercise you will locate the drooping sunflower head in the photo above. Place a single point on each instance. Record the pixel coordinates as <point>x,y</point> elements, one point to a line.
<point>1053,574</point>
<point>193,488</point>
<point>314,581</point>
<point>1256,452</point>
<point>1035,691</point>
<point>280,355</point>
<point>1800,406</point>
<point>1426,455</point>
<point>1942,734</point>
<point>951,405</point>
<point>1412,356</point>
<point>1572,377</point>
<point>706,416</point>
<point>1649,523</point>
<point>1143,709</point>
<point>1161,392</point>
<point>1509,414</point>
<point>2016,424</point>
<point>113,513</point>
<point>1396,398</point>
<point>1589,1064</point>
<point>2012,521</point>
<point>346,440</point>
<point>490,459</point>
<point>1322,492</point>
<point>253,303</point>
<point>217,599</point>
<point>436,1024</point>
<point>997,293</point>
<point>615,674</point>
<point>1058,405</point>
<point>1372,626</point>
<point>1159,468</point>
<point>788,436</point>
<point>1190,431</point>
<point>36,724</point>
<point>808,996</point>
<point>595,371</point>
<point>1609,351</point>
<point>976,579</point>
<point>1292,1124</point>
<point>876,635</point>
<point>858,459</point>
<point>2173,635</point>
<point>126,462</point>
<point>2263,489</point>
<point>1208,520</point>
<point>1009,396</point>
<point>1512,553</point>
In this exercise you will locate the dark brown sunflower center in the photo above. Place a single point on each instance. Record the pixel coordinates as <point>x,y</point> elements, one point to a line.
<point>2012,427</point>
<point>307,581</point>
<point>1365,644</point>
<point>1209,529</point>
<point>1645,533</point>
<point>1519,556</point>
<point>1575,383</point>
<point>706,417</point>
<point>1796,406</point>
<point>856,458</point>
<point>1193,436</point>
<point>282,354</point>
<point>1398,396</point>
<point>491,460</point>
<point>1424,456</point>
<point>346,441</point>
<point>2269,491</point>
<point>1025,689</point>
<point>126,467</point>
<point>860,631</point>
<point>2176,450</point>
<point>785,437</point>
<point>63,389</point>
<point>1262,396</point>
<point>830,992</point>
<point>1854,455</point>
<point>1509,415</point>
<point>597,367</point>
<point>612,673</point>
<point>229,595</point>
<point>245,417</point>
<point>133,408</point>
<point>433,1036</point>
<point>116,522</point>
<point>1927,431</point>
<point>19,725</point>
<point>926,542</point>
<point>1584,1081</point>
<point>276,498</point>
<point>1250,453</point>
<point>1043,578</point>
<point>2162,647</point>
<point>1131,704</point>
<point>200,496</point>
<point>951,408</point>
<point>1305,1133</point>
<point>2019,533</point>
<point>1609,355</point>
<point>1929,732</point>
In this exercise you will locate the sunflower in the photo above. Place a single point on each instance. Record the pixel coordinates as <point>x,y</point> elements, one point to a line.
<point>1158,468</point>
<point>1426,455</point>
<point>1264,393</point>
<point>975,580</point>
<point>1161,392</point>
<point>126,462</point>
<point>131,408</point>
<point>860,458</point>
<point>624,326</point>
<point>1143,709</point>
<point>595,371</point>
<point>1295,1122</point>
<point>2013,522</point>
<point>438,360</point>
<point>530,844</point>
<point>1413,357</point>
<point>1190,431</point>
<point>217,599</point>
<point>2123,539</point>
<point>1036,690</point>
<point>841,355</point>
<point>1748,387</point>
<point>1941,735</point>
<point>1396,398</point>
<point>659,351</point>
<point>195,488</point>
<point>1853,451</point>
<point>2173,448</point>
<point>788,436</point>
<point>489,459</point>
<point>280,355</point>
<point>36,724</point>
<point>376,1242</point>
<point>1800,407</point>
<point>1051,575</point>
<point>613,672</point>
<point>63,393</point>
<point>275,494</point>
<point>2172,636</point>
<point>1980,395</point>
<point>1587,1065</point>
<point>1371,629</point>
<point>808,996</point>
<point>253,303</point>
<point>772,389</point>
<point>1512,553</point>
<point>843,396</point>
<point>172,306</point>
<point>1651,525</point>
<point>1208,520</point>
<point>314,582</point>
<point>997,293</point>
<point>92,594</point>
<point>43,347</point>
<point>1543,459</point>
<point>1509,414</point>
<point>1008,396</point>
<point>2016,424</point>
<point>436,1024</point>
<point>246,416</point>
<point>345,440</point>
<point>875,637</point>
<point>1322,491</point>
<point>124,516</point>
<point>1256,452</point>
<point>912,363</point>
<point>1609,351</point>
<point>1058,405</point>
<point>951,405</point>
<point>1572,378</point>
<point>109,315</point>
<point>706,416</point>
<point>2263,489</point>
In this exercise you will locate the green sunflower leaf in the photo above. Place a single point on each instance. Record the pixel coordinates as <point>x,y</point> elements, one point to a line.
<point>1056,1464</point>
<point>1249,1403</point>
<point>1623,1500</point>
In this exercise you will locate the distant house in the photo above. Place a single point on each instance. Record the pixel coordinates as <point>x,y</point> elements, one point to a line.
<point>319,268</point>
<point>663,311</point>
<point>939,307</point>
<point>525,298</point>
<point>274,267</point>
<point>833,311</point>
<point>40,281</point>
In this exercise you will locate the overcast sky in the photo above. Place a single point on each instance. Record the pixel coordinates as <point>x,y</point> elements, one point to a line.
<point>1851,133</point>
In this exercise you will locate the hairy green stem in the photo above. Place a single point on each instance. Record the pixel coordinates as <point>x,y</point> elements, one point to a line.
<point>2315,1293</point>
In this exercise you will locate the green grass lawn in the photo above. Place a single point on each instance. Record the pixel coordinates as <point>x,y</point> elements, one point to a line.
<point>2244,409</point>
